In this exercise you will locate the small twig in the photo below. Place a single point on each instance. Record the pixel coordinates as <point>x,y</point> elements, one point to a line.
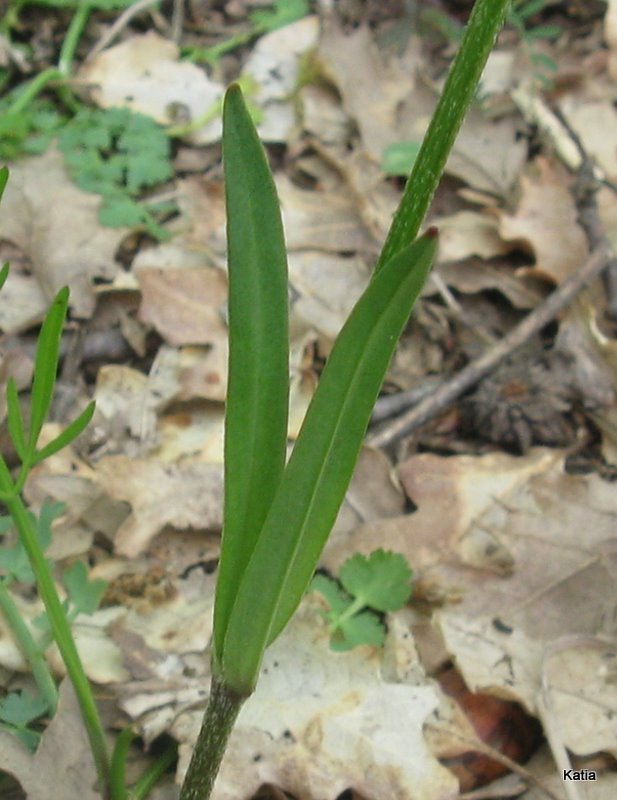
<point>122,21</point>
<point>450,390</point>
<point>392,404</point>
<point>177,20</point>
<point>588,181</point>
<point>457,309</point>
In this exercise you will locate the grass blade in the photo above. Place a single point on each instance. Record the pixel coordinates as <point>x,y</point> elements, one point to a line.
<point>71,432</point>
<point>258,384</point>
<point>46,366</point>
<point>4,176</point>
<point>316,478</point>
<point>14,419</point>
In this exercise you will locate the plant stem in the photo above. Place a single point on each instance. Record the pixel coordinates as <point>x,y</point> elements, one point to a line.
<point>62,71</point>
<point>117,769</point>
<point>71,40</point>
<point>62,636</point>
<point>484,24</point>
<point>32,89</point>
<point>151,776</point>
<point>223,707</point>
<point>30,649</point>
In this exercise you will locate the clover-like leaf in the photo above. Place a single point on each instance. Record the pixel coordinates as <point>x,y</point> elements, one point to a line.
<point>381,581</point>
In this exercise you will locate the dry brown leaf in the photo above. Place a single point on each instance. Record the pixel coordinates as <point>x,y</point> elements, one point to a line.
<point>184,495</point>
<point>450,494</point>
<point>580,675</point>
<point>610,34</point>
<point>320,220</point>
<point>469,233</point>
<point>191,431</point>
<point>144,74</point>
<point>63,239</point>
<point>488,156</point>
<point>595,122</point>
<point>371,90</point>
<point>474,276</point>
<point>373,494</point>
<point>274,64</point>
<point>545,222</point>
<point>328,287</point>
<point>184,305</point>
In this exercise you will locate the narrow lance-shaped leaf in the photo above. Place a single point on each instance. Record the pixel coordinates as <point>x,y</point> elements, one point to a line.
<point>318,473</point>
<point>15,419</point>
<point>4,176</point>
<point>46,366</point>
<point>258,383</point>
<point>71,432</point>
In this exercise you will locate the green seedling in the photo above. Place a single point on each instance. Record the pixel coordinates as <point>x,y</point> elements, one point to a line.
<point>379,583</point>
<point>18,712</point>
<point>278,515</point>
<point>118,153</point>
<point>30,131</point>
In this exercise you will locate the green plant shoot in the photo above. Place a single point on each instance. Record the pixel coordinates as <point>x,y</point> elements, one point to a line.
<point>269,509</point>
<point>277,517</point>
<point>380,582</point>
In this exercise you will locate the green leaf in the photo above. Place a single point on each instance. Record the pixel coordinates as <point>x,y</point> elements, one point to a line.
<point>14,419</point>
<point>338,600</point>
<point>21,708</point>
<point>361,629</point>
<point>283,13</point>
<point>318,473</point>
<point>117,153</point>
<point>49,512</point>
<point>258,383</point>
<point>6,524</point>
<point>119,209</point>
<point>69,434</point>
<point>101,5</point>
<point>381,581</point>
<point>543,61</point>
<point>349,626</point>
<point>46,366</point>
<point>17,711</point>
<point>543,32</point>
<point>4,176</point>
<point>15,565</point>
<point>4,274</point>
<point>29,738</point>
<point>399,158</point>
<point>84,594</point>
<point>527,8</point>
<point>13,560</point>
